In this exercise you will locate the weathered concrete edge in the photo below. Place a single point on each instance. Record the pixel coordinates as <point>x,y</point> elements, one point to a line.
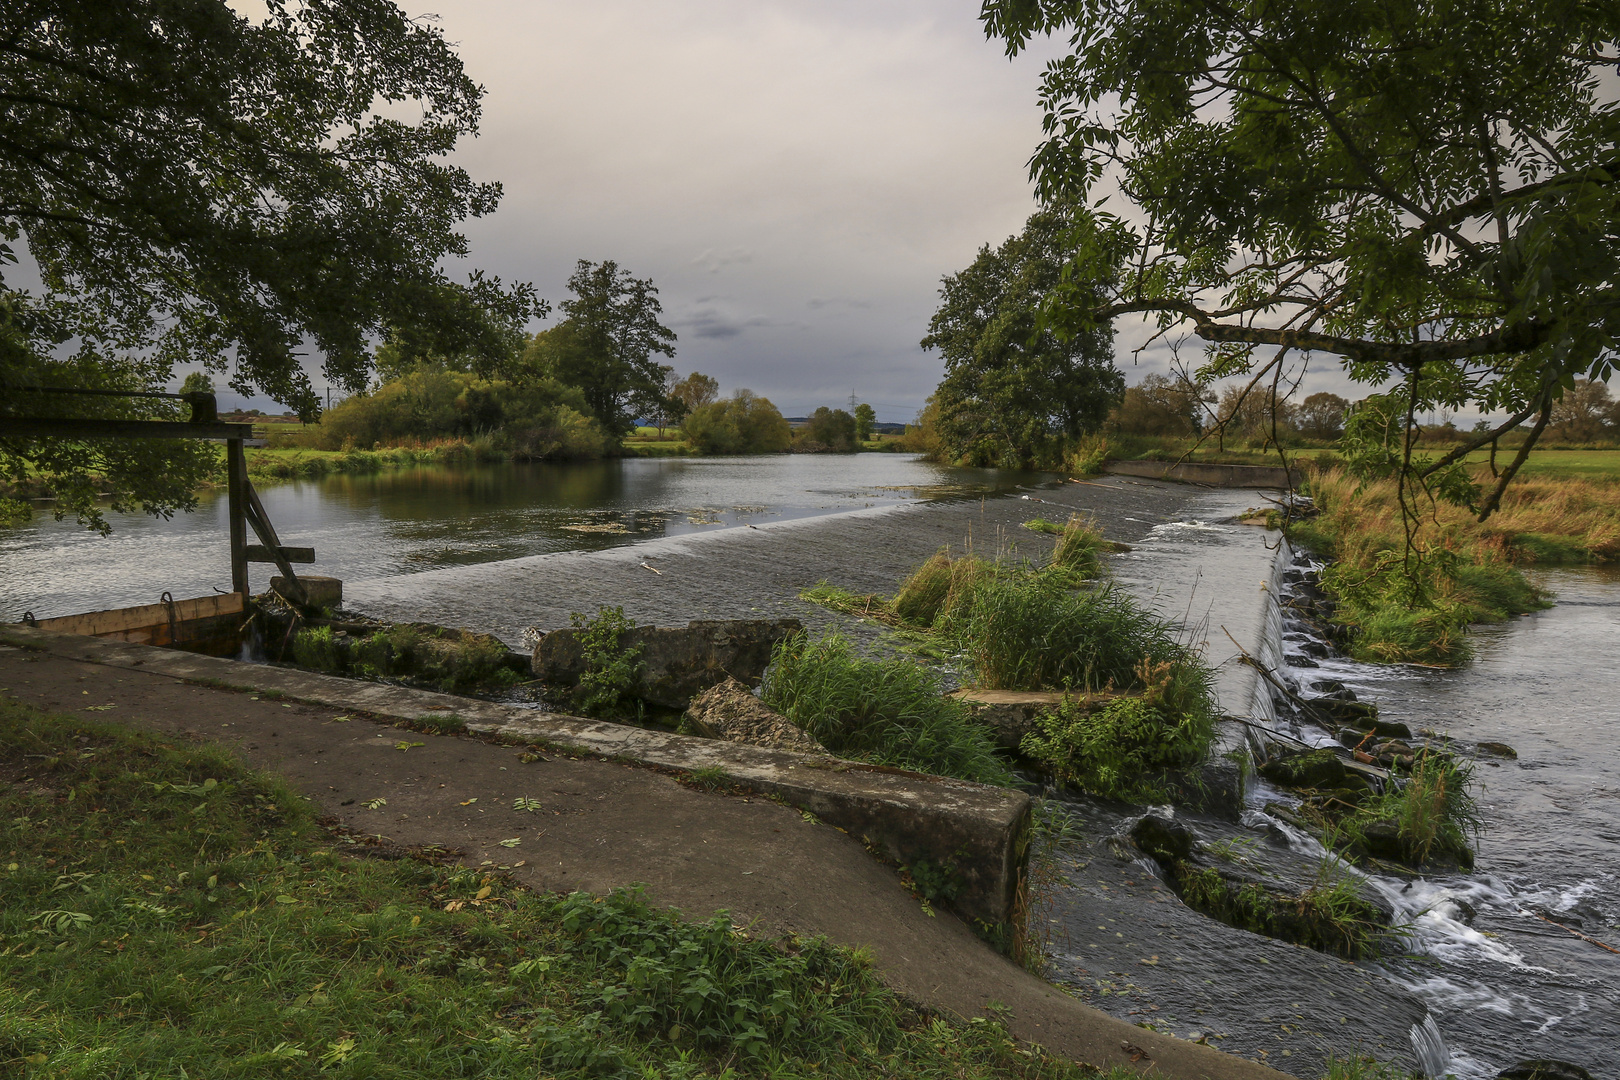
<point>981,831</point>
<point>1233,476</point>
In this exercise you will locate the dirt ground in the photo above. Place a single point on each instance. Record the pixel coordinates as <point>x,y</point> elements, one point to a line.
<point>597,825</point>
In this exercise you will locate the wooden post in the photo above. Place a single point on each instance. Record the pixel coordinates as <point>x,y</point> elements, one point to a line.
<point>236,478</point>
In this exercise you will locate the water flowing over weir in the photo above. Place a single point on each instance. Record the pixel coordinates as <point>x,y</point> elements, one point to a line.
<point>1484,979</point>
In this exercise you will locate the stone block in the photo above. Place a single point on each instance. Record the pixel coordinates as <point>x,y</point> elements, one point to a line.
<point>321,592</point>
<point>677,663</point>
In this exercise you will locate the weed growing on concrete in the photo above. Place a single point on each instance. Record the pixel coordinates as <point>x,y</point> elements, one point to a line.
<point>611,668</point>
<point>1124,749</point>
<point>1030,938</point>
<point>708,778</point>
<point>889,712</point>
<point>209,931</point>
<point>449,660</point>
<point>316,648</point>
<point>442,723</point>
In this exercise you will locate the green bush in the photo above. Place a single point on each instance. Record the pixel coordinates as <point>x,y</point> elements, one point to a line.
<point>1079,548</point>
<point>1122,750</point>
<point>742,424</point>
<point>318,649</point>
<point>610,669</point>
<point>889,712</point>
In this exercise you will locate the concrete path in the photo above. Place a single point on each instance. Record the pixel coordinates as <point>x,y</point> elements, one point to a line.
<point>600,825</point>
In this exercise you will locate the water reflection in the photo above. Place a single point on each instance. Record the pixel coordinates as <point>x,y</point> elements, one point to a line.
<point>410,520</point>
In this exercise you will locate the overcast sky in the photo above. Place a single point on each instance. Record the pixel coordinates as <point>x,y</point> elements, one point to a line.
<point>794,177</point>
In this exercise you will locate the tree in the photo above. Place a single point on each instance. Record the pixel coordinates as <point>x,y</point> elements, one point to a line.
<point>1321,416</point>
<point>1425,191</point>
<point>743,424</point>
<point>1585,414</point>
<point>1014,388</point>
<point>829,430</point>
<point>200,187</point>
<point>1160,406</point>
<point>695,390</point>
<point>865,419</point>
<point>607,344</point>
<point>1260,416</point>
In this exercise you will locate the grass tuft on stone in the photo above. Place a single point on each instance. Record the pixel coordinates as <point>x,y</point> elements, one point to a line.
<point>888,712</point>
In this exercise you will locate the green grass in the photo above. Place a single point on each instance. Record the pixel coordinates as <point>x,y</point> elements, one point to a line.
<point>1430,813</point>
<point>888,712</point>
<point>1582,464</point>
<point>166,912</point>
<point>1330,915</point>
<point>1123,750</point>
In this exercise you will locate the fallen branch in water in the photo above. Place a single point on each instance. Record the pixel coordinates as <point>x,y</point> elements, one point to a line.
<point>1572,930</point>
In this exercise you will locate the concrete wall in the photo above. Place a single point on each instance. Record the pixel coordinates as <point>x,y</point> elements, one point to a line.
<point>1237,476</point>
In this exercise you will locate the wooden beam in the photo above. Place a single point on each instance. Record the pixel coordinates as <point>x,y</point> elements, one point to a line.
<point>29,427</point>
<point>272,543</point>
<point>236,476</point>
<point>260,553</point>
<point>120,620</point>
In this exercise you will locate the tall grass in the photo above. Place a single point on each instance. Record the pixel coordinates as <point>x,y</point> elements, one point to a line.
<point>1417,608</point>
<point>1032,632</point>
<point>1433,812</point>
<point>888,712</point>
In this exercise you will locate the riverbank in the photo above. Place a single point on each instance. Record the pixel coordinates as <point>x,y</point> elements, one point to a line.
<point>591,825</point>
<point>1418,607</point>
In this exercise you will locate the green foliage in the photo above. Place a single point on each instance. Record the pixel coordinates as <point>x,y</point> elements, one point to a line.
<point>1121,750</point>
<point>828,430</point>
<point>742,424</point>
<point>212,930</point>
<point>1432,809</point>
<point>611,669</point>
<point>316,648</point>
<point>1454,233</point>
<point>1015,392</point>
<point>889,712</point>
<point>540,419</point>
<point>230,195</point>
<point>1329,916</point>
<point>1079,548</point>
<point>1032,632</point>
<point>607,345</point>
<point>865,419</point>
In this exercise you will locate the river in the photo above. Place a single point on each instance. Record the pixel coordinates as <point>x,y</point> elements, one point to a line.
<point>499,548</point>
<point>406,521</point>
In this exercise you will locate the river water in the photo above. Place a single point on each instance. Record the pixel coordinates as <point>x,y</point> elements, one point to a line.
<point>365,527</point>
<point>499,548</point>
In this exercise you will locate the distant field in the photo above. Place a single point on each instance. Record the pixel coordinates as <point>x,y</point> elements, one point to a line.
<point>1584,464</point>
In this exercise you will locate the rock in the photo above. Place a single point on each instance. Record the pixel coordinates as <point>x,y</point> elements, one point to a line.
<point>1165,839</point>
<point>1544,1069</point>
<point>1321,769</point>
<point>677,663</point>
<point>1354,713</point>
<point>1333,688</point>
<point>319,592</point>
<point>1497,748</point>
<point>1383,729</point>
<point>1382,839</point>
<point>729,710</point>
<point>1299,660</point>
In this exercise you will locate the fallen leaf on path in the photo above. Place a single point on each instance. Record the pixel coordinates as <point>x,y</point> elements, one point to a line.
<point>407,745</point>
<point>376,804</point>
<point>469,802</point>
<point>99,708</point>
<point>514,842</point>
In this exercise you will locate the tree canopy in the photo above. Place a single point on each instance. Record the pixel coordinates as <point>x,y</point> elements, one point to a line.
<point>608,343</point>
<point>1425,191</point>
<point>198,187</point>
<point>1014,388</point>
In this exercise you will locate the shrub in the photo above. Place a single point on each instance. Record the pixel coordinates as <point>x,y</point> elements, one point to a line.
<point>1122,750</point>
<point>1031,632</point>
<point>1079,549</point>
<point>889,712</point>
<point>318,649</point>
<point>610,668</point>
<point>743,424</point>
<point>923,594</point>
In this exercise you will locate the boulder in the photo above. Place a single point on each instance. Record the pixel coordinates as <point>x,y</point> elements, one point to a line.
<point>1500,749</point>
<point>677,663</point>
<point>1544,1069</point>
<point>1164,839</point>
<point>1321,769</point>
<point>729,710</point>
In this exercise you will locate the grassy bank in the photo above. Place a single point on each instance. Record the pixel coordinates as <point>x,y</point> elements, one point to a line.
<point>166,912</point>
<point>1417,608</point>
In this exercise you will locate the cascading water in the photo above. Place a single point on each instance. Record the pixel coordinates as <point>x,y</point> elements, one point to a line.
<point>1482,980</point>
<point>1510,958</point>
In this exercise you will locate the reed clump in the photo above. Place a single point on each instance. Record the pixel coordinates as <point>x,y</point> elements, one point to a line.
<point>888,712</point>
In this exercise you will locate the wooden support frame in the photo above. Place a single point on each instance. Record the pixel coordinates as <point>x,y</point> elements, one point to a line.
<point>244,508</point>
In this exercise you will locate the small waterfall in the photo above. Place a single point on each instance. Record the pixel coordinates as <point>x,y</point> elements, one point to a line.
<point>1430,1047</point>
